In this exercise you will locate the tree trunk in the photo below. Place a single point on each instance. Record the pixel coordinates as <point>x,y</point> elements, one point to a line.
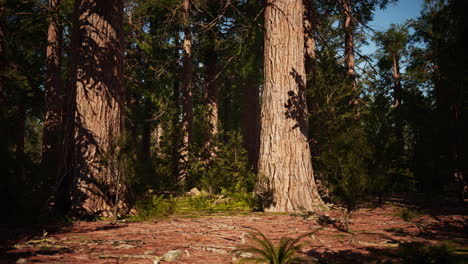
<point>176,134</point>
<point>396,82</point>
<point>309,30</point>
<point>99,99</point>
<point>211,91</point>
<point>227,109</point>
<point>3,123</point>
<point>286,181</point>
<point>157,134</point>
<point>52,129</point>
<point>397,102</point>
<point>20,132</point>
<point>187,101</point>
<point>349,51</point>
<point>251,121</point>
<point>146,135</point>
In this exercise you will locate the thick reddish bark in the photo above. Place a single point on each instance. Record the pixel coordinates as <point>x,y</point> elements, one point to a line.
<point>52,128</point>
<point>99,98</point>
<point>286,180</point>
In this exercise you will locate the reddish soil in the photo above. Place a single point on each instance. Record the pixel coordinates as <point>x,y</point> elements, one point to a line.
<point>376,234</point>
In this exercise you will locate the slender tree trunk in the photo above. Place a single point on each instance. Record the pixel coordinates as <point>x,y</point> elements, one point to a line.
<point>396,82</point>
<point>349,51</point>
<point>157,134</point>
<point>176,134</point>
<point>251,121</point>
<point>8,186</point>
<point>3,123</point>
<point>60,200</point>
<point>211,93</point>
<point>52,129</point>
<point>309,32</point>
<point>146,135</point>
<point>286,180</point>
<point>20,132</point>
<point>187,101</point>
<point>227,108</point>
<point>397,102</point>
<point>99,98</point>
<point>131,128</point>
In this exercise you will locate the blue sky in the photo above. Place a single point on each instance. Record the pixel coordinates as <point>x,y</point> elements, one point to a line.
<point>394,14</point>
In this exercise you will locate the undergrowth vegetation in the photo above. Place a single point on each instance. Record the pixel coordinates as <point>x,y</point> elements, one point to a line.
<point>160,206</point>
<point>407,214</point>
<point>263,250</point>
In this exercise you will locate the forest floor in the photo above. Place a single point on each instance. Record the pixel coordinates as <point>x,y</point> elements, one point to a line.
<point>376,236</point>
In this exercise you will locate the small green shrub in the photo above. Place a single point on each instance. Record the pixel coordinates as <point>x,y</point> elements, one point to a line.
<point>155,206</point>
<point>228,170</point>
<point>247,200</point>
<point>407,214</point>
<point>202,202</point>
<point>265,252</point>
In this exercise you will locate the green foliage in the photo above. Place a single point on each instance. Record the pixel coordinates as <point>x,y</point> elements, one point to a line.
<point>228,170</point>
<point>388,168</point>
<point>341,151</point>
<point>224,202</point>
<point>202,202</point>
<point>407,214</point>
<point>393,41</point>
<point>155,206</point>
<point>249,200</point>
<point>419,253</point>
<point>345,163</point>
<point>264,251</point>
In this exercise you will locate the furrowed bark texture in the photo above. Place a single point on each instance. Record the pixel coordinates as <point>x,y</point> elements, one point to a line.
<point>52,130</point>
<point>187,100</point>
<point>286,181</point>
<point>99,95</point>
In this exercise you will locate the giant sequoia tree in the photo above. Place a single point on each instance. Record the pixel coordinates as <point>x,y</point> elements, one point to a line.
<point>99,95</point>
<point>52,127</point>
<point>286,180</point>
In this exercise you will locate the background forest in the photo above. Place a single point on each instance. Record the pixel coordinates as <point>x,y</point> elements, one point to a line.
<point>186,108</point>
